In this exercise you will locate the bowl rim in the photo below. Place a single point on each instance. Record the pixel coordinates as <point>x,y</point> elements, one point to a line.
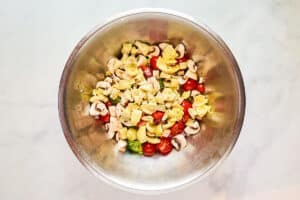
<point>66,73</point>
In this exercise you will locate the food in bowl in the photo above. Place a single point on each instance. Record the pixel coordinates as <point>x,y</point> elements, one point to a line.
<point>151,98</point>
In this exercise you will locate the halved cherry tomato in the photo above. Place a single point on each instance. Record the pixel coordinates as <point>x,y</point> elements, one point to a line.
<point>177,128</point>
<point>108,103</point>
<point>153,61</point>
<point>186,104</point>
<point>185,117</point>
<point>141,123</point>
<point>146,70</point>
<point>149,149</point>
<point>190,84</point>
<point>183,59</point>
<point>157,116</point>
<point>201,88</point>
<point>165,146</point>
<point>104,118</point>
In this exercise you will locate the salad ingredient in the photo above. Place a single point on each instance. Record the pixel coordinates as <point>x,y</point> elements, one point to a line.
<point>157,116</point>
<point>105,118</point>
<point>179,142</point>
<point>165,146</point>
<point>131,134</point>
<point>181,50</point>
<point>177,128</point>
<point>153,62</point>
<point>141,134</point>
<point>98,108</point>
<point>147,71</point>
<point>190,84</point>
<point>186,104</point>
<point>149,149</point>
<point>135,147</point>
<point>201,88</point>
<point>193,129</point>
<point>121,145</point>
<point>185,117</point>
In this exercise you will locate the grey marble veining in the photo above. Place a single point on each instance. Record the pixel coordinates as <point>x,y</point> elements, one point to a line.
<point>37,38</point>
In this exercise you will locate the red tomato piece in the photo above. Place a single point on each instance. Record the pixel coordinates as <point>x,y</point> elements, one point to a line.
<point>186,104</point>
<point>141,123</point>
<point>190,84</point>
<point>149,149</point>
<point>183,59</point>
<point>108,103</point>
<point>201,88</point>
<point>153,61</point>
<point>177,128</point>
<point>185,117</point>
<point>105,118</point>
<point>157,116</point>
<point>165,146</point>
<point>146,70</point>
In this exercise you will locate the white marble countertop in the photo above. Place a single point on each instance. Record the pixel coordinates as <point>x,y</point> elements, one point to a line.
<point>36,40</point>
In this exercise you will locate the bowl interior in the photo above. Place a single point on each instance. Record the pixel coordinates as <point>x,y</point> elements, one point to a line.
<point>219,130</point>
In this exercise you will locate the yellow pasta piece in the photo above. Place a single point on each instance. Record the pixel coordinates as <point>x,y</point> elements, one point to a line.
<point>200,100</point>
<point>123,133</point>
<point>153,140</point>
<point>123,85</point>
<point>136,116</point>
<point>163,66</point>
<point>131,134</point>
<point>172,83</point>
<point>169,53</point>
<point>169,124</point>
<point>126,48</point>
<point>141,134</point>
<point>148,108</point>
<point>186,94</point>
<point>143,47</point>
<point>99,97</point>
<point>115,93</point>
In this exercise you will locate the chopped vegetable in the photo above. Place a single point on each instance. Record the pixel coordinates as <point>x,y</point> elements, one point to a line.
<point>147,71</point>
<point>165,146</point>
<point>153,61</point>
<point>157,116</point>
<point>190,84</point>
<point>115,101</point>
<point>183,59</point>
<point>177,128</point>
<point>186,104</point>
<point>161,83</point>
<point>149,149</point>
<point>135,147</point>
<point>201,88</point>
<point>104,118</point>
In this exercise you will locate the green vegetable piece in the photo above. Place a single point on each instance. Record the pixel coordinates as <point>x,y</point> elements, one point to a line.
<point>115,101</point>
<point>135,147</point>
<point>161,83</point>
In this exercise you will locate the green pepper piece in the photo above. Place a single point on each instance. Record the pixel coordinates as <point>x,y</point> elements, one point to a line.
<point>161,83</point>
<point>115,101</point>
<point>135,147</point>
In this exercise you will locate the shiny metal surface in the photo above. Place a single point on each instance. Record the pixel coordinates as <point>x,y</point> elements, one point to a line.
<point>157,174</point>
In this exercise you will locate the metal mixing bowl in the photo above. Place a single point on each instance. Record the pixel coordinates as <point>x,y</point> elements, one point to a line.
<point>219,131</point>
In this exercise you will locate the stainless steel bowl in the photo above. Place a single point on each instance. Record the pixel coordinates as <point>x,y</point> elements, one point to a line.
<point>219,132</point>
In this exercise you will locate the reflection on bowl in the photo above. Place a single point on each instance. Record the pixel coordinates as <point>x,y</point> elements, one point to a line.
<point>219,131</point>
